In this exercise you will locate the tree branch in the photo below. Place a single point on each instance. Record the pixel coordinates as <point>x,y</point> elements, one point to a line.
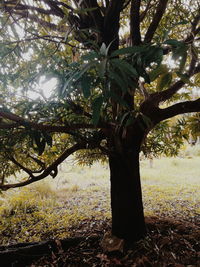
<point>179,108</point>
<point>8,125</point>
<point>56,10</point>
<point>158,97</point>
<point>28,171</point>
<point>51,170</point>
<point>41,22</point>
<point>126,4</point>
<point>162,5</point>
<point>49,128</point>
<point>112,17</point>
<point>144,13</point>
<point>135,22</point>
<point>9,6</point>
<point>194,30</point>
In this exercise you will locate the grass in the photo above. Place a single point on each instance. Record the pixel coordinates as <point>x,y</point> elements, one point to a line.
<point>171,188</point>
<point>54,207</point>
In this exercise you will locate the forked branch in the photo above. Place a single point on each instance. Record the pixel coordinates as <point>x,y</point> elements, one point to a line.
<point>50,170</point>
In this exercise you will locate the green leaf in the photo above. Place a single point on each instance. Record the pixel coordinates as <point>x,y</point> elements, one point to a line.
<point>84,10</point>
<point>39,141</point>
<point>96,107</point>
<point>74,76</point>
<point>124,66</point>
<point>147,120</point>
<point>118,80</point>
<point>153,54</point>
<point>102,67</point>
<point>164,81</point>
<point>128,50</point>
<point>48,139</point>
<point>173,42</point>
<point>90,56</point>
<point>185,78</point>
<point>130,121</point>
<point>180,51</point>
<point>86,86</point>
<point>103,50</point>
<point>118,99</point>
<point>197,79</point>
<point>161,69</point>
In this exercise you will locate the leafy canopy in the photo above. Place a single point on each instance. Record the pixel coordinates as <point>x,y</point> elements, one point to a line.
<point>117,68</point>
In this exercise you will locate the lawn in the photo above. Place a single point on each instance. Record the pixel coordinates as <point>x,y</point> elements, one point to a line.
<point>78,199</point>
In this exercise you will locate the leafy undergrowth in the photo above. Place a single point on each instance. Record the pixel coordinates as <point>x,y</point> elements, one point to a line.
<point>169,244</point>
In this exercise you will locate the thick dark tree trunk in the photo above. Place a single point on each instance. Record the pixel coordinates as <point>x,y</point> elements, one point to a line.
<point>126,196</point>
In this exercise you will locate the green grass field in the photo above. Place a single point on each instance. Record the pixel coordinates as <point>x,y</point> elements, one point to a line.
<point>56,208</point>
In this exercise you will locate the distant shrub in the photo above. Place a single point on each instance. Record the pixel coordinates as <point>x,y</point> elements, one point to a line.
<point>44,189</point>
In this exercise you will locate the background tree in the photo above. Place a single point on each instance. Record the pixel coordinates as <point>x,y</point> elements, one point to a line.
<point>121,69</point>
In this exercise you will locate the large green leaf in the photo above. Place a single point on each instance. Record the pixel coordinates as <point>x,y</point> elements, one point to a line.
<point>74,76</point>
<point>154,74</point>
<point>164,81</point>
<point>96,107</point>
<point>124,66</point>
<point>102,67</point>
<point>128,50</point>
<point>152,54</point>
<point>185,78</point>
<point>118,80</point>
<point>173,42</point>
<point>118,99</point>
<point>39,141</point>
<point>90,56</point>
<point>86,85</point>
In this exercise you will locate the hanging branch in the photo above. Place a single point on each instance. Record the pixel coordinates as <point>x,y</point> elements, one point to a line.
<point>51,170</point>
<point>28,171</point>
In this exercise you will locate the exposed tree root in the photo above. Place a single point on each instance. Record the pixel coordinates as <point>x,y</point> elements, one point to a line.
<point>25,253</point>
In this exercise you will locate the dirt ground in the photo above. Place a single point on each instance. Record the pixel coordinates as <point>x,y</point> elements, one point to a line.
<point>168,244</point>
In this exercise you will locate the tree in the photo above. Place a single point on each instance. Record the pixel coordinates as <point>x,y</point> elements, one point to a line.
<point>122,69</point>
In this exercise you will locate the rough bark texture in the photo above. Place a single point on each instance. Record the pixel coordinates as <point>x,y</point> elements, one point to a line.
<point>126,197</point>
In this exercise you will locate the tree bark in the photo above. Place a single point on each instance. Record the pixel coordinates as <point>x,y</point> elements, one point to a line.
<point>126,196</point>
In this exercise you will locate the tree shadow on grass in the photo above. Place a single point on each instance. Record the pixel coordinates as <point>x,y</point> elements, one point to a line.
<point>168,243</point>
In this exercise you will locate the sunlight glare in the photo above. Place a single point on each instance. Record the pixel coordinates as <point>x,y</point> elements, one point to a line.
<point>44,90</point>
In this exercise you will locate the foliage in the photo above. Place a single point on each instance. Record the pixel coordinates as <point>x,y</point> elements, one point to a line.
<point>102,85</point>
<point>101,80</point>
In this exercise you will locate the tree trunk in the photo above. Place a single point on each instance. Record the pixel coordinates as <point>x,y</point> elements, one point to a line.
<point>126,196</point>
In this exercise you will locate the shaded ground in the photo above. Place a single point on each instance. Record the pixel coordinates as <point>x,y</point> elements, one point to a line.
<point>77,204</point>
<point>168,244</point>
